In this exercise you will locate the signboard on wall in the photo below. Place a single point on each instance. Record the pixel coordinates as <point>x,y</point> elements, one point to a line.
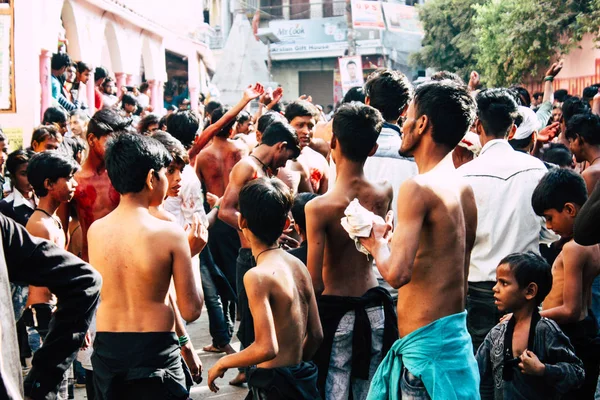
<point>402,18</point>
<point>367,14</point>
<point>6,82</point>
<point>318,35</point>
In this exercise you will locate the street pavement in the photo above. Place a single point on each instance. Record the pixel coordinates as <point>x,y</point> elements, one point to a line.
<point>200,337</point>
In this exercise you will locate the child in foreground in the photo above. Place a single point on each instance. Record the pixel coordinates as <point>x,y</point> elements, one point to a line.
<point>282,302</point>
<point>526,356</point>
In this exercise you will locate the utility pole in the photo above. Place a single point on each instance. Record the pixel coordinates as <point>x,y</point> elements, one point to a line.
<point>350,34</point>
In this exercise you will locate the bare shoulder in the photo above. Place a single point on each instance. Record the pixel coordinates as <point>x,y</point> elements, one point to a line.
<point>574,251</point>
<point>260,278</point>
<point>321,203</point>
<point>38,228</point>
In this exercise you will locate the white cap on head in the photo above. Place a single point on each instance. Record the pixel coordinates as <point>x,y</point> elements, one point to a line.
<point>529,124</point>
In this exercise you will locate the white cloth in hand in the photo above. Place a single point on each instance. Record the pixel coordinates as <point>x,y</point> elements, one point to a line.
<point>358,222</point>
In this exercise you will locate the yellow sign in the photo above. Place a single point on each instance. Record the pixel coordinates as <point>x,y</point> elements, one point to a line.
<point>15,138</point>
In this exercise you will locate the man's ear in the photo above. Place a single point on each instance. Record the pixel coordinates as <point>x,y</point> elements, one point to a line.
<point>531,291</point>
<point>333,143</point>
<point>422,124</point>
<point>404,110</point>
<point>242,222</point>
<point>512,131</point>
<point>367,100</point>
<point>373,150</point>
<point>47,184</point>
<point>150,179</point>
<point>479,127</point>
<point>571,209</point>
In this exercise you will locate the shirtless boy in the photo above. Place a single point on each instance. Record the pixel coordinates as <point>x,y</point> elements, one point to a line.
<point>340,272</point>
<point>95,197</point>
<point>279,144</point>
<point>137,255</point>
<point>51,176</point>
<point>428,257</point>
<point>281,299</point>
<point>312,166</point>
<point>583,134</point>
<point>558,197</point>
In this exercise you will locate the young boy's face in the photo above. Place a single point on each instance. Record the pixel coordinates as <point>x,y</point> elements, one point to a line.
<point>304,127</point>
<point>160,187</point>
<point>174,172</point>
<point>64,188</point>
<point>561,222</point>
<point>21,182</point>
<point>507,293</point>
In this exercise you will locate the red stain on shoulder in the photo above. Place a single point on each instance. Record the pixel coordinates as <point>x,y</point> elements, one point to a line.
<point>315,179</point>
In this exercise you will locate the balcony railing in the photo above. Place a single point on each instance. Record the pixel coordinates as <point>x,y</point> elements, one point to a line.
<point>273,9</point>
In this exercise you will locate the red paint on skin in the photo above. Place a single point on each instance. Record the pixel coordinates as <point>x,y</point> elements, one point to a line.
<point>315,179</point>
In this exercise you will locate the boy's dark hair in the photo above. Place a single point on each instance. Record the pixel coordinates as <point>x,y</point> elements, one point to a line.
<point>267,119</point>
<point>530,268</point>
<point>82,67</point>
<point>106,122</point>
<point>356,127</point>
<point>173,146</point>
<point>561,95</point>
<point>212,106</point>
<point>41,133</point>
<point>216,115</point>
<point>265,204</point>
<point>351,62</point>
<point>537,95</point>
<point>129,158</point>
<point>100,73</point>
<point>54,115</point>
<point>557,188</point>
<point>17,158</point>
<point>356,93</point>
<point>298,209</point>
<point>184,125</point>
<point>60,60</point>
<point>107,80</point>
<point>144,86</point>
<point>589,92</point>
<point>573,106</point>
<point>50,165</point>
<point>129,99</point>
<point>388,91</point>
<point>497,111</point>
<point>449,107</point>
<point>150,119</point>
<point>523,97</point>
<point>282,132</point>
<point>586,126</point>
<point>443,75</point>
<point>243,117</point>
<point>558,154</point>
<point>300,108</point>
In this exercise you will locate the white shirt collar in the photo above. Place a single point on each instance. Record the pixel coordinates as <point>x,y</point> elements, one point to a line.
<point>18,200</point>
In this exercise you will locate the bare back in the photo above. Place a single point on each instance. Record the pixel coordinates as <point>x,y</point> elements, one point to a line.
<point>448,212</point>
<point>591,176</point>
<point>284,280</point>
<point>345,271</point>
<point>137,254</point>
<point>214,163</point>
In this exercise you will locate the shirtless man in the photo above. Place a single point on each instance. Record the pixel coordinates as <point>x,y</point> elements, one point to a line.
<point>279,144</point>
<point>339,271</point>
<point>428,258</point>
<point>313,167</point>
<point>281,299</point>
<point>583,134</point>
<point>137,256</point>
<point>559,197</point>
<point>95,196</point>
<point>51,176</point>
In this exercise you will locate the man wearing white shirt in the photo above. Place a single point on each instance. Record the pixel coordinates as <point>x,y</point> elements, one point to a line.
<point>503,181</point>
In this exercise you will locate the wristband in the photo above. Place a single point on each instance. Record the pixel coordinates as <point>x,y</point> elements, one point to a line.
<point>218,207</point>
<point>548,78</point>
<point>183,340</point>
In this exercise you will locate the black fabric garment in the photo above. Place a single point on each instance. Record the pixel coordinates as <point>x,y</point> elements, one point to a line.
<point>224,287</point>
<point>331,311</point>
<point>301,253</point>
<point>21,214</point>
<point>128,363</point>
<point>38,316</point>
<point>224,244</point>
<point>298,382</point>
<point>245,262</point>
<point>584,338</point>
<point>509,360</point>
<point>27,260</point>
<point>392,126</point>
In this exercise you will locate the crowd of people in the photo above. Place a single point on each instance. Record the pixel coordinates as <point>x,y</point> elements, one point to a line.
<point>422,241</point>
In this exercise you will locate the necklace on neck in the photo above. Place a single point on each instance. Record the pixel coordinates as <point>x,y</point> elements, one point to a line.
<point>594,160</point>
<point>51,216</point>
<point>265,168</point>
<point>264,251</point>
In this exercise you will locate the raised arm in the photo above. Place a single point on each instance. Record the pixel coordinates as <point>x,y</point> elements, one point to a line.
<point>570,310</point>
<point>395,264</point>
<point>240,174</point>
<point>207,134</point>
<point>189,299</point>
<point>315,235</point>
